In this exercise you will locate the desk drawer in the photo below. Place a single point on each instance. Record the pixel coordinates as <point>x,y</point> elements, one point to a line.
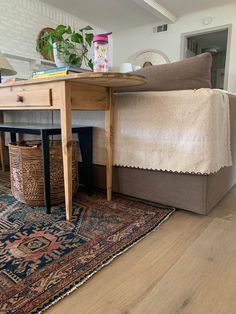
<point>25,98</point>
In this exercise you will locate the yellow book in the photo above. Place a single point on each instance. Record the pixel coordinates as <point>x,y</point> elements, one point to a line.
<point>50,72</point>
<point>56,72</point>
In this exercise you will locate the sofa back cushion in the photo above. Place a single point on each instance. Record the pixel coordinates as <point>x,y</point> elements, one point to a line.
<point>191,73</point>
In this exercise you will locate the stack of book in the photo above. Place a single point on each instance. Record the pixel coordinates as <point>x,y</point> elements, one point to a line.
<point>57,72</point>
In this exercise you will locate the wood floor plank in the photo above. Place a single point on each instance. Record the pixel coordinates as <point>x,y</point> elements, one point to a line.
<point>226,208</point>
<point>130,277</point>
<point>202,280</point>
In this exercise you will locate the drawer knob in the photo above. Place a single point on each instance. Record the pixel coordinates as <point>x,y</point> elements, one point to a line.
<point>19,98</point>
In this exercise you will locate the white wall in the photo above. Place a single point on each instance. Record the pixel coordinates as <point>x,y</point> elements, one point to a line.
<point>20,24</point>
<point>129,41</point>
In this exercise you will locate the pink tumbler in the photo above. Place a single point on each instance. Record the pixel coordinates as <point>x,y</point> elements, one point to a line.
<point>101,53</point>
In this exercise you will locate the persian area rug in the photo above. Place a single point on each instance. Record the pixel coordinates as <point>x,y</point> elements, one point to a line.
<point>43,257</point>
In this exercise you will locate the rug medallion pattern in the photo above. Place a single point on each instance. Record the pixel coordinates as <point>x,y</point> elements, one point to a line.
<point>42,257</point>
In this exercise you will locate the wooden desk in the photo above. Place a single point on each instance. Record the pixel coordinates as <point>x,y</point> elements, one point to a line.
<point>84,91</point>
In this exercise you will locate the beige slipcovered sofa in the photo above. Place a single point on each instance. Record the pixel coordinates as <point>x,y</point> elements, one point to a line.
<point>194,192</point>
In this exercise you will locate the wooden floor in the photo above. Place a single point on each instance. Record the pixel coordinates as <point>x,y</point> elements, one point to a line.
<point>186,266</point>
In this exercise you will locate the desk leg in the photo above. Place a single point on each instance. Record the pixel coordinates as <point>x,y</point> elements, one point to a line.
<point>86,149</point>
<point>66,138</point>
<point>13,137</point>
<point>46,170</point>
<point>2,144</point>
<point>108,135</point>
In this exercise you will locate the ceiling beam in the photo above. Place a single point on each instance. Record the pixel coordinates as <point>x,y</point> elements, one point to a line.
<point>157,10</point>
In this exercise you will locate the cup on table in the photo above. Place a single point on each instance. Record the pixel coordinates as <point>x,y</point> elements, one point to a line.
<point>126,67</point>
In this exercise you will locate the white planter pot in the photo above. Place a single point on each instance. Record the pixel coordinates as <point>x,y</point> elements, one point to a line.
<point>58,57</point>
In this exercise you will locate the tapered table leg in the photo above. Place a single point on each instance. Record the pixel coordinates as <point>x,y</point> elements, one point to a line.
<point>109,157</point>
<point>66,138</point>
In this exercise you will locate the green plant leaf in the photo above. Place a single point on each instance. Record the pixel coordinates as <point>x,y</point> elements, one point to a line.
<point>51,39</point>
<point>90,64</point>
<point>79,61</point>
<point>47,49</point>
<point>59,46</point>
<point>77,38</point>
<point>73,58</point>
<point>66,52</point>
<point>61,29</point>
<point>69,31</point>
<point>86,28</point>
<point>66,46</point>
<point>89,38</point>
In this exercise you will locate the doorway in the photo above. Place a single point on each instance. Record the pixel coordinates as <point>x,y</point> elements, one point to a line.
<point>216,42</point>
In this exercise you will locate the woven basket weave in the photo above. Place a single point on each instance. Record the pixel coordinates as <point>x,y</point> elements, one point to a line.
<point>26,169</point>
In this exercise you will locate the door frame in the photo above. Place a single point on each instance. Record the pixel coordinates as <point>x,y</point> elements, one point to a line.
<point>228,27</point>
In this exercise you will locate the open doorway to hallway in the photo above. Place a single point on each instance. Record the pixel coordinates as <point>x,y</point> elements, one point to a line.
<point>216,42</point>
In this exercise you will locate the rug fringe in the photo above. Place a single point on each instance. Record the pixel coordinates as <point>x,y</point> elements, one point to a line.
<point>105,263</point>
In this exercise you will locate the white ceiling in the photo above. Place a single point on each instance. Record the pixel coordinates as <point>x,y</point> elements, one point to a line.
<point>114,15</point>
<point>182,7</point>
<point>108,14</point>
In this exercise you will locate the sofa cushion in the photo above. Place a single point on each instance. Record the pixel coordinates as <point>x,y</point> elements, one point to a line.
<point>191,73</point>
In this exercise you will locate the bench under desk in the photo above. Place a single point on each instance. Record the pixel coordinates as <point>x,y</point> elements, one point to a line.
<point>85,137</point>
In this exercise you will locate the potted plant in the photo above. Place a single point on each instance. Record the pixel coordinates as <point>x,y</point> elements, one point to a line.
<point>68,46</point>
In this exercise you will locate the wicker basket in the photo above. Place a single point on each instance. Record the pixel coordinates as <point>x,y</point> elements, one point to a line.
<point>26,169</point>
